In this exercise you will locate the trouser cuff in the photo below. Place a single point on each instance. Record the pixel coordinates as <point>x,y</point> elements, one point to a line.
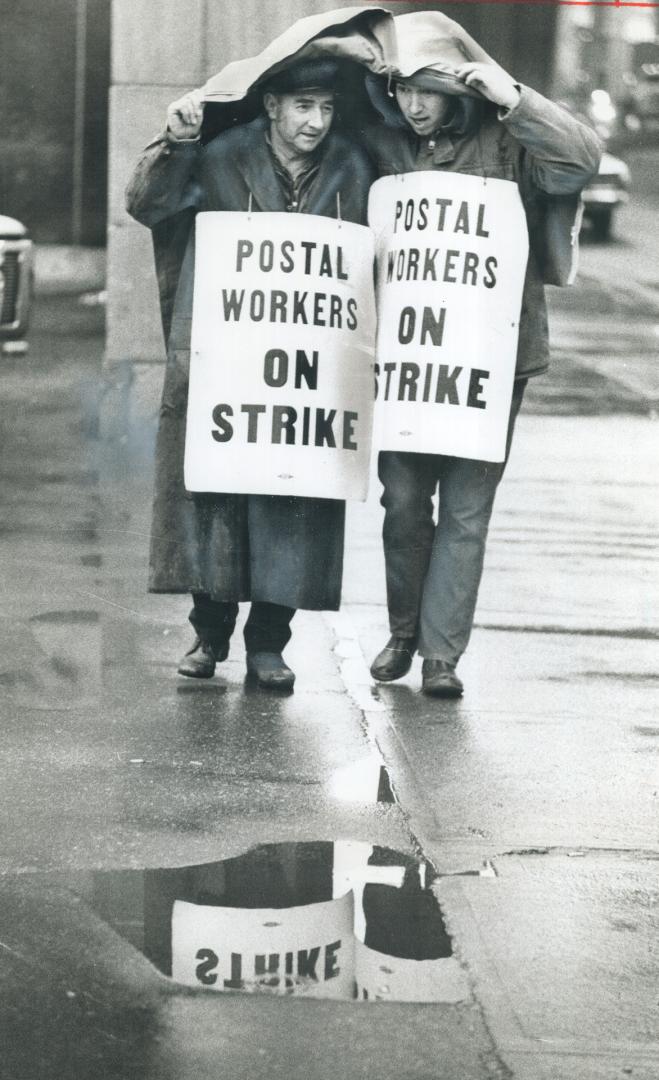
<point>268,627</point>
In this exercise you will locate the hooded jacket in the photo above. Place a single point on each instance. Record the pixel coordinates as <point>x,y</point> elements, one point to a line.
<point>537,145</point>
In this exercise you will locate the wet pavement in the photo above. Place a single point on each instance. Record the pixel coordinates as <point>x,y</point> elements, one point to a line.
<point>518,826</point>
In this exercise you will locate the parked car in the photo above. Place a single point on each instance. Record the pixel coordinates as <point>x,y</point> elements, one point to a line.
<point>610,188</point>
<point>16,284</point>
<point>605,192</point>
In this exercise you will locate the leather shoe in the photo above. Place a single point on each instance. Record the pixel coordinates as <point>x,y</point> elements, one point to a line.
<point>199,662</point>
<point>439,679</point>
<point>395,660</point>
<point>270,671</point>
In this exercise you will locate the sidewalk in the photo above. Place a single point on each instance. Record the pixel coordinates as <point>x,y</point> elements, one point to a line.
<point>547,768</point>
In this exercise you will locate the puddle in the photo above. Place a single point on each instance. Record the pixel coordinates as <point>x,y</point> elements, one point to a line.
<point>343,920</point>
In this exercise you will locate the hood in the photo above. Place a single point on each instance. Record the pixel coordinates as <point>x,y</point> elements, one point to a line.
<point>430,46</point>
<point>360,37</point>
<point>364,35</point>
<point>431,42</point>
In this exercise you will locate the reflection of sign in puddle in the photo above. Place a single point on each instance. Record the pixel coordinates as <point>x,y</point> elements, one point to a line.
<point>330,920</point>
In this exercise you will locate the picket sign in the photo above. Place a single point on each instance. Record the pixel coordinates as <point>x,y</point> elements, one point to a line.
<point>451,256</point>
<point>282,350</point>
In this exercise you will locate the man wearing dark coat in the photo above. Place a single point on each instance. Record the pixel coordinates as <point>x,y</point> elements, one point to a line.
<point>280,552</point>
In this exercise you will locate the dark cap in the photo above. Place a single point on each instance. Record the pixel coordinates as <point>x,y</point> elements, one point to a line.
<point>304,75</point>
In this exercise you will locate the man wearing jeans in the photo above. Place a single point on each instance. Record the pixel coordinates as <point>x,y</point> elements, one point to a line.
<point>452,108</point>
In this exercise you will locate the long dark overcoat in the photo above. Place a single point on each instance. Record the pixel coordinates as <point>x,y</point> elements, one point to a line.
<point>280,549</point>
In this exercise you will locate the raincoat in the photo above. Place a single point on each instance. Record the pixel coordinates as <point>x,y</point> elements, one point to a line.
<point>283,550</point>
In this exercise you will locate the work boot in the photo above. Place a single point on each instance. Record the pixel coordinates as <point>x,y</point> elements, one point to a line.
<point>270,670</point>
<point>395,660</point>
<point>199,662</point>
<point>439,679</point>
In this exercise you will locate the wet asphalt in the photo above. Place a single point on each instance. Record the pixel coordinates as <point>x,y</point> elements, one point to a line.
<point>534,797</point>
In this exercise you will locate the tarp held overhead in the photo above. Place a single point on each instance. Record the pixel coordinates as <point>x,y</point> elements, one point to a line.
<point>362,38</point>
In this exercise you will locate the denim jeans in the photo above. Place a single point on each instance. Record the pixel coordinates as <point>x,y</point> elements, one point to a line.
<point>267,628</point>
<point>434,571</point>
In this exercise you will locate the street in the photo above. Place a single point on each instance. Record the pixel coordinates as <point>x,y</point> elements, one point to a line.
<point>533,801</point>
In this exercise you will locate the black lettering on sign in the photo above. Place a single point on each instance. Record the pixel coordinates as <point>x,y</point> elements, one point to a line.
<point>278,308</point>
<point>287,263</point>
<point>257,305</point>
<point>433,327</point>
<point>470,267</point>
<point>318,308</point>
<point>449,265</point>
<point>299,311</point>
<point>409,376</point>
<point>324,432</point>
<point>426,383</point>
<point>490,280</point>
<point>480,224</point>
<point>462,219</point>
<point>266,256</point>
<point>306,963</point>
<point>349,421</point>
<point>429,265</point>
<point>335,317</point>
<point>389,369</point>
<point>236,981</point>
<point>225,432</point>
<point>406,325</point>
<point>283,420</point>
<point>253,412</point>
<point>243,251</point>
<point>332,968</point>
<point>446,385</point>
<point>275,367</point>
<point>273,964</point>
<point>232,303</point>
<point>204,970</point>
<point>441,219</point>
<point>306,369</point>
<point>476,378</point>
<point>325,268</point>
<point>308,246</point>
